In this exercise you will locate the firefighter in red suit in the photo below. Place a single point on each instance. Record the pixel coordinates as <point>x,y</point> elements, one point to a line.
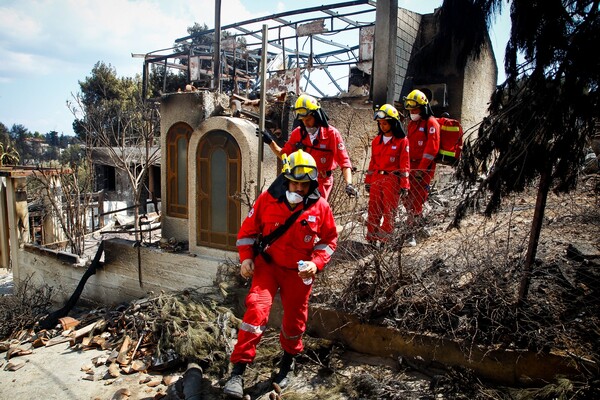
<point>312,238</point>
<point>387,177</point>
<point>424,141</point>
<point>324,142</point>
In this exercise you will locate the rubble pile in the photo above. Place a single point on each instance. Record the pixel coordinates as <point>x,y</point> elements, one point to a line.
<point>156,334</point>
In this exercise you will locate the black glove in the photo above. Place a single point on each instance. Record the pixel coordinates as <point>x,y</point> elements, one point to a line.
<point>266,135</point>
<point>351,190</point>
<point>368,187</point>
<point>403,193</point>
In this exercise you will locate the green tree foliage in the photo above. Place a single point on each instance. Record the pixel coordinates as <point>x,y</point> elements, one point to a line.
<point>19,135</point>
<point>157,84</point>
<point>543,115</point>
<point>201,39</point>
<point>201,42</point>
<point>111,113</point>
<point>4,135</point>
<point>72,156</point>
<point>52,138</point>
<point>105,104</point>
<point>64,141</point>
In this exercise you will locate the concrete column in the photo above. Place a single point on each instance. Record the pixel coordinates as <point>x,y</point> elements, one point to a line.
<point>4,247</point>
<point>384,53</point>
<point>53,231</point>
<point>18,220</point>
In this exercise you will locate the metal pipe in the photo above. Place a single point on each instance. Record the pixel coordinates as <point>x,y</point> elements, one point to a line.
<point>263,97</point>
<point>217,54</point>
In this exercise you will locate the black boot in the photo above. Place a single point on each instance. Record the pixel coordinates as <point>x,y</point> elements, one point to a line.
<point>286,366</point>
<point>235,385</point>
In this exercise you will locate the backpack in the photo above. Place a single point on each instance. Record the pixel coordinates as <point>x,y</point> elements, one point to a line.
<point>451,141</point>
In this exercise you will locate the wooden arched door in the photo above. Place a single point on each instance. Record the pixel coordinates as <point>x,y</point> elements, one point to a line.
<point>218,166</point>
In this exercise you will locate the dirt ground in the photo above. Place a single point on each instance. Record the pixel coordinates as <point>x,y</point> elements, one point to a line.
<point>58,373</point>
<point>458,284</point>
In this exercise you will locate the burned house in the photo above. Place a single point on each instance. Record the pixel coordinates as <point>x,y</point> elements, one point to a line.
<point>211,166</point>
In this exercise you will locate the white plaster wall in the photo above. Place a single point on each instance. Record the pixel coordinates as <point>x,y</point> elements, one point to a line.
<point>479,84</point>
<point>191,108</point>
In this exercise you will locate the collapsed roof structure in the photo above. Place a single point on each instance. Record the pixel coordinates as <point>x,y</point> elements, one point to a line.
<point>309,50</point>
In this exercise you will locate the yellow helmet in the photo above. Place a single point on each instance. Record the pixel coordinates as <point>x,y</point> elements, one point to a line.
<point>415,99</point>
<point>386,111</point>
<point>299,167</point>
<point>305,105</point>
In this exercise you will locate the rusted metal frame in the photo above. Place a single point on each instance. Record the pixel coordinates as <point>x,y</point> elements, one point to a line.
<point>331,17</point>
<point>297,69</point>
<point>332,31</point>
<point>293,24</point>
<point>311,53</point>
<point>342,17</point>
<point>319,57</point>
<point>337,52</point>
<point>283,14</point>
<point>216,82</point>
<point>235,87</point>
<point>257,36</point>
<point>262,109</point>
<point>317,37</point>
<point>331,77</point>
<point>165,76</point>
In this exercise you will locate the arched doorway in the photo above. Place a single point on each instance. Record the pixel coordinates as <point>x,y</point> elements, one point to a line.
<point>218,163</point>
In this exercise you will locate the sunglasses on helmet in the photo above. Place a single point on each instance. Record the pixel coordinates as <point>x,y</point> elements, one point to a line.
<point>380,114</point>
<point>409,103</point>
<point>301,172</point>
<point>301,112</point>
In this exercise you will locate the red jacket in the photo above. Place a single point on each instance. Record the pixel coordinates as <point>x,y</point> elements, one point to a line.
<point>390,157</point>
<point>312,237</point>
<point>328,152</point>
<point>424,141</point>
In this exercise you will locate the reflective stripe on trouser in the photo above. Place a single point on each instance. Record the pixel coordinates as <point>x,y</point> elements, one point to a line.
<point>294,298</point>
<point>383,202</point>
<point>447,153</point>
<point>418,193</point>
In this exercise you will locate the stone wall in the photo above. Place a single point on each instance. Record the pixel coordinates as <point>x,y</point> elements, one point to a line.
<point>118,280</point>
<point>408,29</point>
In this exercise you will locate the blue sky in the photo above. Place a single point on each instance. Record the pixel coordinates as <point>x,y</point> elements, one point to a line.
<point>47,46</point>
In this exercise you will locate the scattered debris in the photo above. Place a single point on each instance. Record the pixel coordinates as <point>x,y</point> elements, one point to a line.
<point>14,365</point>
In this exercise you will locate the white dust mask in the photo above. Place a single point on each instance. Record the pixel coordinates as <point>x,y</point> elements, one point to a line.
<point>293,197</point>
<point>313,130</point>
<point>415,117</point>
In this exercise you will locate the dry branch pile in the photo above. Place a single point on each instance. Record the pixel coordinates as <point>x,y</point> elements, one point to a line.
<point>462,284</point>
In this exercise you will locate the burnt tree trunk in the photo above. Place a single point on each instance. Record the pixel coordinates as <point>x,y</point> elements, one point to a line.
<point>534,236</point>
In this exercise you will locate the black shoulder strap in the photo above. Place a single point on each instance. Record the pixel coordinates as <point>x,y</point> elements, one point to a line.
<point>261,246</point>
<point>280,230</point>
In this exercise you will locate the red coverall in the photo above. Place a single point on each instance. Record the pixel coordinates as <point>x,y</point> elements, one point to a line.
<point>328,150</point>
<point>424,141</point>
<point>312,237</point>
<point>388,173</point>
